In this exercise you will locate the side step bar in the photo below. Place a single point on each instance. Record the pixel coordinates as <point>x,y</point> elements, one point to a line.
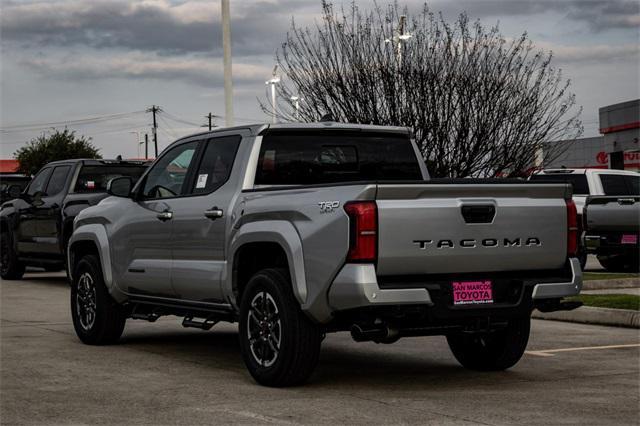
<point>189,322</point>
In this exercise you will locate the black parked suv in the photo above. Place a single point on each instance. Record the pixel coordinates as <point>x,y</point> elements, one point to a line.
<point>37,223</point>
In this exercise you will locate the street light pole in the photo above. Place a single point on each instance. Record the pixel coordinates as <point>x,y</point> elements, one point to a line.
<point>226,53</point>
<point>272,82</point>
<point>137,133</point>
<point>296,100</point>
<point>399,38</point>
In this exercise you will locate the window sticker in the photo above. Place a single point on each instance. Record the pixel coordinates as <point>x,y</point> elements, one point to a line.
<point>91,184</point>
<point>202,181</point>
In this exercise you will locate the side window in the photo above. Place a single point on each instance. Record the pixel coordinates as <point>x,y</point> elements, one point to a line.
<point>167,177</point>
<point>58,179</point>
<point>614,184</point>
<point>633,184</point>
<point>216,164</point>
<point>39,182</point>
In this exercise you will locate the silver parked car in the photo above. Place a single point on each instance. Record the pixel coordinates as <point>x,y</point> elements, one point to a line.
<point>297,230</point>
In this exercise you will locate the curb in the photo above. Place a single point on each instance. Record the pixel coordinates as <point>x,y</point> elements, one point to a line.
<point>608,284</point>
<point>590,315</point>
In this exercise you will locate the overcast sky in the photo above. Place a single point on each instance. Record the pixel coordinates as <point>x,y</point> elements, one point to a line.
<point>72,59</point>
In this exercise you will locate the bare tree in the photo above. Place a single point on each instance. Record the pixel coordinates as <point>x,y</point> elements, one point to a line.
<point>479,104</point>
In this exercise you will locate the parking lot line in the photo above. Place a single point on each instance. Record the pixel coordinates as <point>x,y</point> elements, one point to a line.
<point>550,352</point>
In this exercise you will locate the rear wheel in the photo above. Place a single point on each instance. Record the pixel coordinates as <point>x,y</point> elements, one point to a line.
<point>493,351</point>
<point>10,267</point>
<point>280,345</point>
<point>97,318</point>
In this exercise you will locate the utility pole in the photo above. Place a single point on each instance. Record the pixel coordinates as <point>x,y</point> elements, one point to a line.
<point>154,110</point>
<point>210,117</point>
<point>146,146</point>
<point>273,81</point>
<point>226,54</point>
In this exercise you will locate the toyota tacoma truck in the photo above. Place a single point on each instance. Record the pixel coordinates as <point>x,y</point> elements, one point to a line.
<point>38,220</point>
<point>298,230</point>
<point>612,231</point>
<point>590,182</point>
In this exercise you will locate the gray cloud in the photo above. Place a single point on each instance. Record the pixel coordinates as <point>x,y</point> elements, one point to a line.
<point>149,25</point>
<point>134,66</point>
<point>600,14</point>
<point>168,27</point>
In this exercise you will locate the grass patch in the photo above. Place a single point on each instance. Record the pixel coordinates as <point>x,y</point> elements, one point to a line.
<point>613,301</point>
<point>588,276</point>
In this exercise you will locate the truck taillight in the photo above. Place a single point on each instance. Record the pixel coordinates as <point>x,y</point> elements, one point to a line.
<point>363,225</point>
<point>572,229</point>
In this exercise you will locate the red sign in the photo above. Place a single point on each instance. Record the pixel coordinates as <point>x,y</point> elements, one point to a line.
<point>631,159</point>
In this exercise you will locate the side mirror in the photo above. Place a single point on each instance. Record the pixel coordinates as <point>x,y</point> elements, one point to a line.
<point>120,186</point>
<point>36,199</point>
<point>14,191</point>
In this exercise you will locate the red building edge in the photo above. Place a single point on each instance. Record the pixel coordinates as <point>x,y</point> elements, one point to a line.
<point>9,166</point>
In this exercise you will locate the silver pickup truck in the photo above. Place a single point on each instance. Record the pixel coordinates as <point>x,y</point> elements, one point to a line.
<point>612,231</point>
<point>298,230</point>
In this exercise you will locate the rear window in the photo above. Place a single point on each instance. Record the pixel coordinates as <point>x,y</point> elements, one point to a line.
<point>95,178</point>
<point>620,184</point>
<point>579,182</point>
<point>307,158</point>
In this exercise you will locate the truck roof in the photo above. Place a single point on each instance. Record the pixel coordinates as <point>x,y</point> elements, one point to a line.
<point>262,128</point>
<point>99,162</point>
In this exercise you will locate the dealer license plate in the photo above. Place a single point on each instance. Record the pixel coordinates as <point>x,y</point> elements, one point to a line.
<point>629,239</point>
<point>472,292</point>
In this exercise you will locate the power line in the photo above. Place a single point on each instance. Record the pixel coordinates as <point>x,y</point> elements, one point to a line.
<point>36,126</point>
<point>180,120</point>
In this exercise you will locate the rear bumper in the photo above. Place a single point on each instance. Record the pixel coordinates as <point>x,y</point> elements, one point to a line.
<point>609,243</point>
<point>356,286</point>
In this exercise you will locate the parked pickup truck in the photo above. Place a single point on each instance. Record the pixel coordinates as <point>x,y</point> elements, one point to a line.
<point>37,223</point>
<point>297,230</point>
<point>612,231</point>
<point>590,182</point>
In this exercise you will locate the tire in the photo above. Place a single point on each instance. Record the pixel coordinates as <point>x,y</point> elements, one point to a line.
<point>582,257</point>
<point>284,350</point>
<point>620,263</point>
<point>97,318</point>
<point>10,267</point>
<point>494,351</point>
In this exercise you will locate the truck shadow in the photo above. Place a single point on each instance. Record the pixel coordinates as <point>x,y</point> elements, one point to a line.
<point>343,365</point>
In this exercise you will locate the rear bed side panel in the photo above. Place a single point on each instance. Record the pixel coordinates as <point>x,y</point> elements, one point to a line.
<point>323,233</point>
<point>421,229</point>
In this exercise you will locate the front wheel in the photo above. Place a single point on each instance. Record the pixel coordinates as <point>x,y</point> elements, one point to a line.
<point>279,344</point>
<point>97,318</point>
<point>10,267</point>
<point>494,351</point>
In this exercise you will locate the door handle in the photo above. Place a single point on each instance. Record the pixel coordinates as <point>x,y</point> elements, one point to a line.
<point>626,201</point>
<point>213,213</point>
<point>164,216</point>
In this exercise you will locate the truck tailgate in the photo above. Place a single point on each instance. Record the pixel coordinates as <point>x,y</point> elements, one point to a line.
<point>462,228</point>
<point>613,213</point>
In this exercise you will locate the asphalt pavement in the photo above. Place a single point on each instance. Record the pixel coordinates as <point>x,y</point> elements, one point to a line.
<point>161,374</point>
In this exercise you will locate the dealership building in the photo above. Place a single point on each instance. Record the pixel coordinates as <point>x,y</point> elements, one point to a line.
<point>616,148</point>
